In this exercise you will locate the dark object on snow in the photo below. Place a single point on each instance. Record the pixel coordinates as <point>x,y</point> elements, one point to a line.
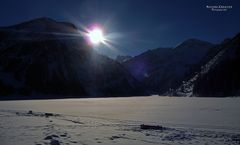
<point>51,137</point>
<point>48,114</point>
<point>54,142</point>
<point>48,137</point>
<point>236,138</point>
<point>152,127</point>
<point>30,112</point>
<point>114,137</point>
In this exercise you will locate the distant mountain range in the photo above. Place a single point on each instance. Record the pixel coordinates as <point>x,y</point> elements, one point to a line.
<point>43,58</point>
<point>193,68</point>
<point>164,69</point>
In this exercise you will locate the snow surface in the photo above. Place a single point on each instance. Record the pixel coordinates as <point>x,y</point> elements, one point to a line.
<point>118,120</point>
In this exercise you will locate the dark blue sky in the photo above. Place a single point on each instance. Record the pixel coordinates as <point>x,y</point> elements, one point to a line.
<point>135,25</point>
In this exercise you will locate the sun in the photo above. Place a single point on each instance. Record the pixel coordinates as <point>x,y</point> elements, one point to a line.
<point>96,36</point>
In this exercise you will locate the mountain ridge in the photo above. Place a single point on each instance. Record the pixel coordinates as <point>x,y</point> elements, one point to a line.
<point>53,64</point>
<point>57,61</point>
<point>164,68</point>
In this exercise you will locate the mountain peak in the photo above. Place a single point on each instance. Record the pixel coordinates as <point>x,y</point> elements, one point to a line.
<point>38,20</point>
<point>189,43</point>
<point>44,24</point>
<point>195,41</point>
<point>43,19</point>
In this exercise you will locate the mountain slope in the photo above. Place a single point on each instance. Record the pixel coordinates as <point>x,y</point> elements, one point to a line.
<point>122,58</point>
<point>53,61</point>
<point>219,76</point>
<point>222,79</point>
<point>165,68</point>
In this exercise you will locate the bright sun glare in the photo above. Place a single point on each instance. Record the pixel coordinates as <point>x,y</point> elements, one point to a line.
<point>96,36</point>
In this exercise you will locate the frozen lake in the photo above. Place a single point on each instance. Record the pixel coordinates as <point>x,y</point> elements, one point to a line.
<point>210,113</point>
<point>117,121</point>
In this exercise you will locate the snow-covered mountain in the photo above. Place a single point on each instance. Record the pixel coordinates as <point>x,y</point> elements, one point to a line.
<point>163,69</point>
<point>219,76</point>
<point>223,78</point>
<point>44,56</point>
